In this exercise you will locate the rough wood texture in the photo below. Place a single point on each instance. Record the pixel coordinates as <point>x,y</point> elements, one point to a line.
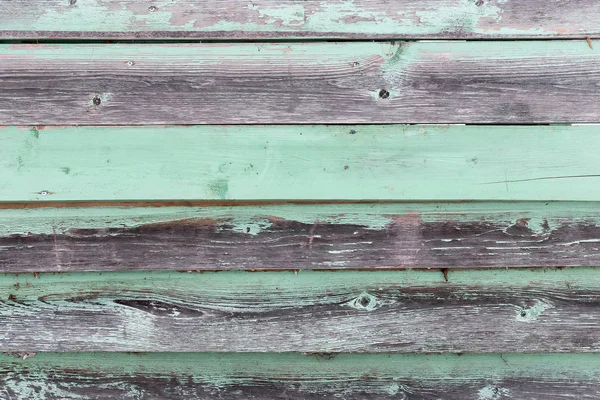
<point>392,162</point>
<point>294,376</point>
<point>349,311</point>
<point>416,82</point>
<point>336,236</point>
<point>259,19</point>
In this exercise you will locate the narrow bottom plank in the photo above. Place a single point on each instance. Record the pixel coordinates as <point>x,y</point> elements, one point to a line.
<point>491,311</point>
<point>299,376</point>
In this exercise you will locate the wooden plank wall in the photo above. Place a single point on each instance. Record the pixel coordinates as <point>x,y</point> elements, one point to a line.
<point>324,199</point>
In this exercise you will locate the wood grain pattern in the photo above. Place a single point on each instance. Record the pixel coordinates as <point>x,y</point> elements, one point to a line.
<point>389,162</point>
<point>349,311</point>
<point>294,376</point>
<point>336,236</point>
<point>414,82</point>
<point>260,19</point>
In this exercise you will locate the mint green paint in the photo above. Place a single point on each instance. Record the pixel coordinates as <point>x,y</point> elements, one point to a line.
<point>276,162</point>
<point>259,218</point>
<point>303,288</point>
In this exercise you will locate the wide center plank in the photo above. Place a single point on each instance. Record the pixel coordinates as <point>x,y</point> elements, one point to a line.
<point>377,162</point>
<point>459,82</point>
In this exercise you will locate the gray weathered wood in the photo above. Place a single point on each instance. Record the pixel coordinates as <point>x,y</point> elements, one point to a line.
<point>296,236</point>
<point>260,19</point>
<point>293,376</point>
<point>350,311</point>
<point>469,82</point>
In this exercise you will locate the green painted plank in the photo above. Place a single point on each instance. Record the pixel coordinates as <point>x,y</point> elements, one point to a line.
<point>346,311</point>
<point>299,236</point>
<point>260,19</point>
<point>514,82</point>
<point>295,376</point>
<point>396,162</point>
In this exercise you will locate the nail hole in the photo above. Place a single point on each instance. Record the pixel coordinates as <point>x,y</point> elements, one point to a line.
<point>97,101</point>
<point>130,63</point>
<point>384,94</point>
<point>44,192</point>
<point>152,8</point>
<point>352,132</point>
<point>523,314</point>
<point>247,230</point>
<point>364,301</point>
<point>72,2</point>
<point>479,3</point>
<point>346,167</point>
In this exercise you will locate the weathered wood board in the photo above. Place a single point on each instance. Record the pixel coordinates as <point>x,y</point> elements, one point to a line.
<point>348,311</point>
<point>358,82</point>
<point>288,19</point>
<point>295,376</point>
<point>294,236</point>
<point>375,162</point>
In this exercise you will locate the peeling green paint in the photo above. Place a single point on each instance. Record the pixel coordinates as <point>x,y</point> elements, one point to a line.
<point>537,216</point>
<point>532,313</point>
<point>310,283</point>
<point>290,19</point>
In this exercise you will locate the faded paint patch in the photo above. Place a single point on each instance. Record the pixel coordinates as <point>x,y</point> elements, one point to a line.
<point>531,314</point>
<point>491,392</point>
<point>218,188</point>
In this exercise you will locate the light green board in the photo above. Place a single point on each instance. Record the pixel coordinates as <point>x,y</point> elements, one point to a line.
<point>386,162</point>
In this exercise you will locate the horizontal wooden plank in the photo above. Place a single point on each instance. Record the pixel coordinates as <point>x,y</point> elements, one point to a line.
<point>259,19</point>
<point>374,162</point>
<point>334,236</point>
<point>350,82</point>
<point>346,311</point>
<point>295,376</point>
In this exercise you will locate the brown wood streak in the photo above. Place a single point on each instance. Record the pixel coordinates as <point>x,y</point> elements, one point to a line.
<point>206,244</point>
<point>158,315</point>
<point>329,83</point>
